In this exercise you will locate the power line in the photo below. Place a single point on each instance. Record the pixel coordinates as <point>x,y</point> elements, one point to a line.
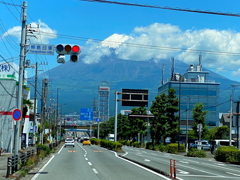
<point>140,45</point>
<point>10,4</point>
<point>165,7</point>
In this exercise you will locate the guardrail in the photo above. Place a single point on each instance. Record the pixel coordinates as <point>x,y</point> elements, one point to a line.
<point>14,163</point>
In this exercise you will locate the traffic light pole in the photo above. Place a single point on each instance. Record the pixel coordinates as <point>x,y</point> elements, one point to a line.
<point>115,121</point>
<point>20,80</point>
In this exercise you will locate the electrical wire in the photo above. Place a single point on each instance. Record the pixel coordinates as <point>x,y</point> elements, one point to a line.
<point>141,45</point>
<point>166,7</point>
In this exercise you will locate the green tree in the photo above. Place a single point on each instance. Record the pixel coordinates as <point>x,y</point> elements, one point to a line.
<point>199,118</point>
<point>173,119</point>
<point>221,132</point>
<point>123,127</point>
<point>138,124</point>
<point>159,124</point>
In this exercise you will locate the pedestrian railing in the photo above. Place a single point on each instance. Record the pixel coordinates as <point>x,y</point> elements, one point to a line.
<point>14,163</point>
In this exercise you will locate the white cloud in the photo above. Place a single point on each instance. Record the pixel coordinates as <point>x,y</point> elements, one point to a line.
<point>236,73</point>
<point>158,41</point>
<point>39,29</point>
<point>93,52</point>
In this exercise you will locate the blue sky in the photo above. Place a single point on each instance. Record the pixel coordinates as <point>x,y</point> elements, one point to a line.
<point>116,25</point>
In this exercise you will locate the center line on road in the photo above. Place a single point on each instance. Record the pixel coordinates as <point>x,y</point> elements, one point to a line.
<point>90,163</point>
<point>95,170</point>
<point>86,159</point>
<point>233,174</point>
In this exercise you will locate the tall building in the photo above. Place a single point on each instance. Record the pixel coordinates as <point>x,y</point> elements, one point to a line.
<point>194,87</point>
<point>103,101</point>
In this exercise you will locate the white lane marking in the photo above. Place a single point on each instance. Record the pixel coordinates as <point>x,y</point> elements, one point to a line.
<point>90,164</point>
<point>60,149</point>
<point>39,172</point>
<point>147,160</point>
<point>95,171</point>
<point>184,162</point>
<point>125,154</point>
<point>192,161</point>
<point>233,174</point>
<point>220,164</point>
<point>139,154</point>
<point>198,170</point>
<point>182,172</point>
<point>86,159</point>
<point>164,177</point>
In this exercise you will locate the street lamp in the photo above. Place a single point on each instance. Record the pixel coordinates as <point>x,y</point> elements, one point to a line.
<point>57,115</point>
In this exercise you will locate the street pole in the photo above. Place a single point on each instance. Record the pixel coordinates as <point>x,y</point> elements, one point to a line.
<point>187,127</point>
<point>115,122</point>
<point>35,104</point>
<point>230,122</point>
<point>57,118</point>
<point>20,79</point>
<point>98,125</point>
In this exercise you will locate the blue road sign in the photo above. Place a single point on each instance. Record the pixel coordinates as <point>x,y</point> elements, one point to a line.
<point>86,114</point>
<point>17,114</point>
<point>98,120</point>
<point>44,49</point>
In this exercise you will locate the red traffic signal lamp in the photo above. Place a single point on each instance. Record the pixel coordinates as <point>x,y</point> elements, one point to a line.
<point>67,49</point>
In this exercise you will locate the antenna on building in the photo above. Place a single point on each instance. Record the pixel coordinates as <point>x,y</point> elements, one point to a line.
<point>199,67</point>
<point>200,59</point>
<point>172,69</point>
<point>163,74</point>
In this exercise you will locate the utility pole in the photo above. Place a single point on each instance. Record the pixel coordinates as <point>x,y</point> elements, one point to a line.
<point>230,122</point>
<point>20,81</point>
<point>35,103</point>
<point>43,110</point>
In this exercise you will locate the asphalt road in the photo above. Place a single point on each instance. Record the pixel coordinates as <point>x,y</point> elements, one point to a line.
<point>188,168</point>
<point>92,163</point>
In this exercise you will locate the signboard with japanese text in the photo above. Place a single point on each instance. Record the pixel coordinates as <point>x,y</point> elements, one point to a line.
<point>86,114</point>
<point>43,49</point>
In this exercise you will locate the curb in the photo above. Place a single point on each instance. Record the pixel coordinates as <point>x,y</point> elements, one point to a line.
<point>147,166</point>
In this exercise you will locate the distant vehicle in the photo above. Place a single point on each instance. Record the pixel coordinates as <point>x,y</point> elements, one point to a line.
<point>86,141</point>
<point>216,143</point>
<point>69,142</point>
<point>111,137</point>
<point>204,145</point>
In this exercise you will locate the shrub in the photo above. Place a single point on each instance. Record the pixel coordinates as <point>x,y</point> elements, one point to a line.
<point>44,148</point>
<point>163,148</point>
<point>95,141</point>
<point>194,152</point>
<point>128,143</point>
<point>173,148</point>
<point>227,154</point>
<point>136,144</point>
<point>111,145</point>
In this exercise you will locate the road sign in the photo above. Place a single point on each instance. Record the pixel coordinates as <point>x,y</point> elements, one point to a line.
<point>86,114</point>
<point>44,49</point>
<point>17,114</point>
<point>199,127</point>
<point>98,120</point>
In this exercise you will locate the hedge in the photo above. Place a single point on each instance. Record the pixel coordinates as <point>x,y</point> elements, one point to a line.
<point>227,154</point>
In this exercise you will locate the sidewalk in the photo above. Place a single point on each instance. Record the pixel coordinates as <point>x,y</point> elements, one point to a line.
<point>3,162</point>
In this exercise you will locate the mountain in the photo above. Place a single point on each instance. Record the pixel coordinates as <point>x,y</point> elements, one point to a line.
<point>79,81</point>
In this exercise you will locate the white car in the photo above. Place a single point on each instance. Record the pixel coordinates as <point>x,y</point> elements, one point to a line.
<point>69,142</point>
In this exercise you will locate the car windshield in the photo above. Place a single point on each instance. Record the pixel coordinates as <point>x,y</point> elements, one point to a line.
<point>204,143</point>
<point>69,139</point>
<point>86,139</point>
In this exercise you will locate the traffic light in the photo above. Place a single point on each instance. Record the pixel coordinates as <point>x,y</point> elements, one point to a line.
<point>67,49</point>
